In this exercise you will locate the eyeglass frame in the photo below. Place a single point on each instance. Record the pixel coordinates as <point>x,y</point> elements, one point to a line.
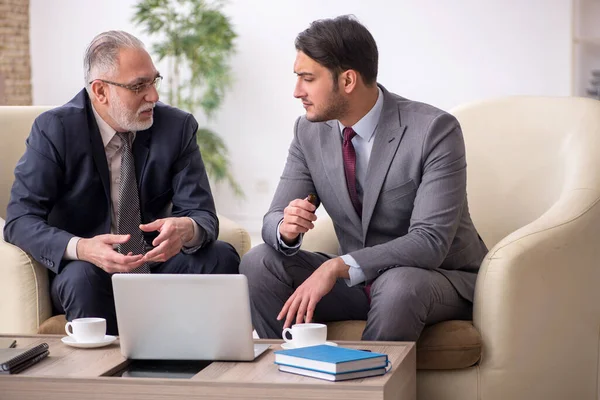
<point>136,88</point>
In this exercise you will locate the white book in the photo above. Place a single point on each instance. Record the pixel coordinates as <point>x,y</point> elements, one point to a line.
<point>332,377</point>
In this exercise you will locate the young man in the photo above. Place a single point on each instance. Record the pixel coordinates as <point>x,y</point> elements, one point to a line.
<point>111,182</point>
<point>391,173</point>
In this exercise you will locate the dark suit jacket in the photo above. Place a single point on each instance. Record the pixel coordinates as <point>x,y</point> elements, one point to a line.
<point>415,210</point>
<point>62,184</point>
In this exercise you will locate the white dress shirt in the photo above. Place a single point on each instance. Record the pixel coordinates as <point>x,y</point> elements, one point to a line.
<point>114,149</point>
<point>363,144</point>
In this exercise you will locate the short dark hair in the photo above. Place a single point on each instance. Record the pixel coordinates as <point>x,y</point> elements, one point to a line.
<point>339,44</point>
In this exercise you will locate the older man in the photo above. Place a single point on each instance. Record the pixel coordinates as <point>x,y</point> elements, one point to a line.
<point>111,182</point>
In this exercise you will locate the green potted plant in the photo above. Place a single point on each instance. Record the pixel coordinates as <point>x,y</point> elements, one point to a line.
<point>196,40</point>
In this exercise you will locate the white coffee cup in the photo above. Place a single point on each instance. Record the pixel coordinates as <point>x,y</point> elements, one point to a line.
<point>86,330</point>
<point>306,334</point>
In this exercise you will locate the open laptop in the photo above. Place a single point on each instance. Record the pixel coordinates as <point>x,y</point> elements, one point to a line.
<point>184,317</point>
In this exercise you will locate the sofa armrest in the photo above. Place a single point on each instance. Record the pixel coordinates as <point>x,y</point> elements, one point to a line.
<point>25,291</point>
<point>537,305</point>
<point>234,234</point>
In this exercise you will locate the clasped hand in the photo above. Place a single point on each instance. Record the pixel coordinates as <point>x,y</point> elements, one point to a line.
<point>173,233</point>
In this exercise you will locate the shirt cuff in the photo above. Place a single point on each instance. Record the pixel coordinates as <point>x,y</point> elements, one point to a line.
<point>288,250</point>
<point>198,236</point>
<point>356,273</point>
<point>71,250</point>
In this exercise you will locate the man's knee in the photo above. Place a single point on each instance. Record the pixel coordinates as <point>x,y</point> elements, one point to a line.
<point>217,258</point>
<point>80,279</point>
<point>403,289</point>
<point>228,258</point>
<point>253,263</point>
<point>83,290</point>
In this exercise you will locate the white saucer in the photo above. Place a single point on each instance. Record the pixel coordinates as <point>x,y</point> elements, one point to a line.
<point>108,339</point>
<point>288,346</point>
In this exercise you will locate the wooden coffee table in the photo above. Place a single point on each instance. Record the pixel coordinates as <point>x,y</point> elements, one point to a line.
<point>70,373</point>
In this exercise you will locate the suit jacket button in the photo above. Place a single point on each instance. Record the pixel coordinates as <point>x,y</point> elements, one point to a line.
<point>50,263</point>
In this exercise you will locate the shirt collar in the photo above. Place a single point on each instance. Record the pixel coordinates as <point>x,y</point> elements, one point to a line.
<point>365,127</point>
<point>106,132</point>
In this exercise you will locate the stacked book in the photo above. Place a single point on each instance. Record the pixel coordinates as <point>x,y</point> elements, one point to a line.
<point>331,363</point>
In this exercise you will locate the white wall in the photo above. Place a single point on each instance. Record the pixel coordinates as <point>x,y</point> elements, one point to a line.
<point>441,52</point>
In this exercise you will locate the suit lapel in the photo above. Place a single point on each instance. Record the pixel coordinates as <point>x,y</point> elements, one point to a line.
<point>333,163</point>
<point>141,148</point>
<point>98,152</point>
<point>387,139</point>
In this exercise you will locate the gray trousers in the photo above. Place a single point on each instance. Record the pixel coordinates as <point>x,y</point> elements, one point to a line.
<point>403,300</point>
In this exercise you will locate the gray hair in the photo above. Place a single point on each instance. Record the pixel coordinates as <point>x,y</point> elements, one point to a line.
<point>101,56</point>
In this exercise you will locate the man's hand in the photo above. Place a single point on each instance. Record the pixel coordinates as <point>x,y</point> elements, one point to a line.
<point>100,252</point>
<point>298,217</point>
<point>174,232</point>
<point>302,303</point>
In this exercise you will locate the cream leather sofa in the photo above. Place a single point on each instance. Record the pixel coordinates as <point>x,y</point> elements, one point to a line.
<point>25,304</point>
<point>534,195</point>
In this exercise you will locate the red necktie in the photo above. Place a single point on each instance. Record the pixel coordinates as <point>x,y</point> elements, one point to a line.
<point>350,169</point>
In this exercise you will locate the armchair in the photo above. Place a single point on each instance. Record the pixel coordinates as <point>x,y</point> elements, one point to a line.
<point>25,307</point>
<point>534,195</point>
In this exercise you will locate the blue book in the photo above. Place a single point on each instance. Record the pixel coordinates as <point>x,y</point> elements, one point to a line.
<point>331,359</point>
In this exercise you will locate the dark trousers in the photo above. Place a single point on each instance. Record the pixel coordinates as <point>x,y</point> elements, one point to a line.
<point>403,300</point>
<point>83,290</point>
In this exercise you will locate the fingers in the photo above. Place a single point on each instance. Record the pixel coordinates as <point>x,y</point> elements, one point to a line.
<point>292,311</point>
<point>301,224</point>
<point>162,252</point>
<point>111,261</point>
<point>302,209</point>
<point>121,262</point>
<point>310,311</point>
<point>165,233</point>
<point>303,204</point>
<point>300,217</point>
<point>285,307</point>
<point>125,260</point>
<point>115,267</point>
<point>152,226</point>
<point>113,239</point>
<point>302,310</point>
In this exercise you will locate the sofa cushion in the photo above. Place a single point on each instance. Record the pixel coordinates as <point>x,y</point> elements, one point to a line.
<point>53,326</point>
<point>447,345</point>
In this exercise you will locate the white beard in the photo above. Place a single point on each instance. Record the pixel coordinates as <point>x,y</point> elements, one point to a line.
<point>126,119</point>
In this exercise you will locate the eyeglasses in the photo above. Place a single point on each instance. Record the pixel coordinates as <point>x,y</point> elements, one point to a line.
<point>138,87</point>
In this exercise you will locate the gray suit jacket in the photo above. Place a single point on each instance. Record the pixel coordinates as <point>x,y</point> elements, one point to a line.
<point>415,210</point>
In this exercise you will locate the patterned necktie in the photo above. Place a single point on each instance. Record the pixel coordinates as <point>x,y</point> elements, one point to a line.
<point>128,217</point>
<point>350,169</point>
